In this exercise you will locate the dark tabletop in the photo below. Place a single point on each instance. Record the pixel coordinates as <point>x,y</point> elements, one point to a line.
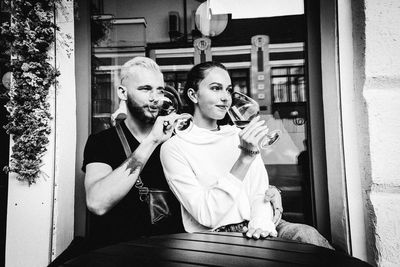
<point>213,249</point>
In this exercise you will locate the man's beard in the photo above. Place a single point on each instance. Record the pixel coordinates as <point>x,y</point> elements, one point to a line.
<point>139,112</point>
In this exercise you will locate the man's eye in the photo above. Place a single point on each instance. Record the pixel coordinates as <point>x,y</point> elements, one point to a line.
<point>230,91</point>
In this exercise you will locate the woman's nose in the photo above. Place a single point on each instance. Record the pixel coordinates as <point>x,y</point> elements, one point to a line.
<point>225,96</point>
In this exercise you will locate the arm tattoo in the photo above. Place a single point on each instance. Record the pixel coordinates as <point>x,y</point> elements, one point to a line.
<point>132,164</point>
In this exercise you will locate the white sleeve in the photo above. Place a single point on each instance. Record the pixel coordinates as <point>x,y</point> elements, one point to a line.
<point>261,214</point>
<point>207,205</point>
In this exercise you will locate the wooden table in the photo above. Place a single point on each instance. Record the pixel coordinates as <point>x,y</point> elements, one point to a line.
<point>213,249</point>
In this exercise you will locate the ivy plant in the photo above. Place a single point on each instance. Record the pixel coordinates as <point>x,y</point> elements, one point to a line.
<point>30,34</point>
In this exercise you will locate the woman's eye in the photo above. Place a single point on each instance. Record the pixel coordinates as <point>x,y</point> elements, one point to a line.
<point>216,88</point>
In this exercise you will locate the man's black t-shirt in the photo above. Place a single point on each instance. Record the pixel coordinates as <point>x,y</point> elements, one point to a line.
<point>129,218</point>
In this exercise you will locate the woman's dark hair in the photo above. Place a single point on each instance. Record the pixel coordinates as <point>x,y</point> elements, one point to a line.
<point>195,76</point>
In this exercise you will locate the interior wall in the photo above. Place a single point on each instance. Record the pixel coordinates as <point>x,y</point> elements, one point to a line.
<point>155,12</point>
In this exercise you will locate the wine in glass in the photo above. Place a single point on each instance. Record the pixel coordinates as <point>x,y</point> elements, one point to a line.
<point>243,110</point>
<point>169,104</point>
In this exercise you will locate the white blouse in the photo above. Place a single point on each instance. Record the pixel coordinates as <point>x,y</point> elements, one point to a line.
<point>197,166</point>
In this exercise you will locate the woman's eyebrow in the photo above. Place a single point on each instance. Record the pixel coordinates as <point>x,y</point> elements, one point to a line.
<point>220,84</point>
<point>217,83</point>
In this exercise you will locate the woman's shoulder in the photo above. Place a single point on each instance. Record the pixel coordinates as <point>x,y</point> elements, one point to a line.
<point>171,144</point>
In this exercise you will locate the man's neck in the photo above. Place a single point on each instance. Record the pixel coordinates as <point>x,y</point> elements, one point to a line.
<point>138,128</point>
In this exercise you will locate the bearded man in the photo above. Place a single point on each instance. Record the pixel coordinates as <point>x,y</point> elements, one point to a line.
<point>115,211</point>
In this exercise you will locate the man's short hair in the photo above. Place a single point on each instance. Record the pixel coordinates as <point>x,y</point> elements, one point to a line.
<point>143,62</point>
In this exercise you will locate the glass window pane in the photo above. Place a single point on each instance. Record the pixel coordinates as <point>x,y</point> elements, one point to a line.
<point>168,76</point>
<point>279,71</point>
<point>122,30</point>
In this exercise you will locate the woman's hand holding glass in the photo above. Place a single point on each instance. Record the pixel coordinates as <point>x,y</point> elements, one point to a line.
<point>251,136</point>
<point>244,110</point>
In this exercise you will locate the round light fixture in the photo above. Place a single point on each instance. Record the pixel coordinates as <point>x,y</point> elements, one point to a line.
<point>208,24</point>
<point>6,80</point>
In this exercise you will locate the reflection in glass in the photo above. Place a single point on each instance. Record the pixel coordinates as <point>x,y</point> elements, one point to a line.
<point>133,28</point>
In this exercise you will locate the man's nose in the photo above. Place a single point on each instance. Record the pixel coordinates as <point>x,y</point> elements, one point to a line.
<point>154,95</point>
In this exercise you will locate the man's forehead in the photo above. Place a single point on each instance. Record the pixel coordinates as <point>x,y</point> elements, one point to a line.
<point>139,74</point>
<point>135,69</point>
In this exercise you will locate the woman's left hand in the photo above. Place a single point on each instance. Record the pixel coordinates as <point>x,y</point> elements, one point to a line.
<point>258,233</point>
<point>273,196</point>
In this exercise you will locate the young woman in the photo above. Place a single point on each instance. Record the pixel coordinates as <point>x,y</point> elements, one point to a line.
<point>216,172</point>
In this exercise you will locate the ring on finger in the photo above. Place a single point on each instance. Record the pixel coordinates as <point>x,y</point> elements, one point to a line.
<point>166,123</point>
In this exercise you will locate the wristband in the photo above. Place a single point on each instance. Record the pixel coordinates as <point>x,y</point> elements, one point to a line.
<point>248,151</point>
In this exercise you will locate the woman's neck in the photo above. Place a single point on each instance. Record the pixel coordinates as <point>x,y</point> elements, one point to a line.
<point>209,124</point>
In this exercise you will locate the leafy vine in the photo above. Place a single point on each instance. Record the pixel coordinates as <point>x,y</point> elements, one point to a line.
<point>30,35</point>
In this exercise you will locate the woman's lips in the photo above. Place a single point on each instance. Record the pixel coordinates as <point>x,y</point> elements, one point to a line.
<point>223,107</point>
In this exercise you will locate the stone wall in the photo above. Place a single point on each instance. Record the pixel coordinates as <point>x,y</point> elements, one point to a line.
<point>376,32</point>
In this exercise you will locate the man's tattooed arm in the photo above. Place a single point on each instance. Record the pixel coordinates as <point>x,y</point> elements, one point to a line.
<point>132,164</point>
<point>106,187</point>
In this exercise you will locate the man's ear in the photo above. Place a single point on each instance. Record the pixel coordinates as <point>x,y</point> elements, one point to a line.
<point>122,92</point>
<point>192,95</point>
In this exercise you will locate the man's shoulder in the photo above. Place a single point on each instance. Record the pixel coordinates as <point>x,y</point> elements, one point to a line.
<point>101,141</point>
<point>109,133</point>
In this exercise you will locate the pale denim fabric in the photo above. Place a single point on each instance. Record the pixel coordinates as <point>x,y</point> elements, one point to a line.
<point>301,232</point>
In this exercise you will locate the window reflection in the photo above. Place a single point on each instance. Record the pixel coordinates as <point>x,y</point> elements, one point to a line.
<point>166,31</point>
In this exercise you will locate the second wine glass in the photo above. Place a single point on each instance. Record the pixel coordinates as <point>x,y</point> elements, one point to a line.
<point>243,110</point>
<point>169,104</point>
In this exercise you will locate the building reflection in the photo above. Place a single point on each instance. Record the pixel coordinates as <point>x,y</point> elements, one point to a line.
<point>265,58</point>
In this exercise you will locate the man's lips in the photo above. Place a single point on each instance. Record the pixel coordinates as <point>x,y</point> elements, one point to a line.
<point>152,108</point>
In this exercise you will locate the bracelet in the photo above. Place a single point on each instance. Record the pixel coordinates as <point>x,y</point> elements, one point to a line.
<point>248,151</point>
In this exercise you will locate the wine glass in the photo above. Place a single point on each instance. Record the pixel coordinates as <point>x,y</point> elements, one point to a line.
<point>243,110</point>
<point>169,104</point>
